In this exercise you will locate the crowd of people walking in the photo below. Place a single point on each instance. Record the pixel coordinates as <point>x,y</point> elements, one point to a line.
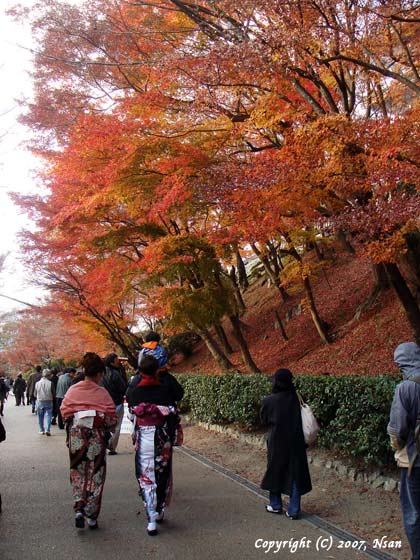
<point>89,404</point>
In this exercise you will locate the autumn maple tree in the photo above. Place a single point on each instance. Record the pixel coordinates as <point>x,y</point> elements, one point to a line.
<point>226,128</point>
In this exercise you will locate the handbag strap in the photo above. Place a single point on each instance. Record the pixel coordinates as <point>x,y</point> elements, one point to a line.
<point>300,398</point>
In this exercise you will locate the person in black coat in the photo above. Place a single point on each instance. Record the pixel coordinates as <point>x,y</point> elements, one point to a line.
<point>287,465</point>
<point>165,378</point>
<point>115,382</point>
<point>19,387</point>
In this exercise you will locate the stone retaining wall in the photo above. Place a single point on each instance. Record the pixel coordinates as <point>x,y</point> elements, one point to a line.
<point>375,478</point>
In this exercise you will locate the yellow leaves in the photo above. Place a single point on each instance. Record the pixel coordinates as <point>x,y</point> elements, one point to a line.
<point>268,112</point>
<point>388,250</point>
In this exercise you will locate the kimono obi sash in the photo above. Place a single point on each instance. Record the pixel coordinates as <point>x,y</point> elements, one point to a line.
<point>149,414</point>
<point>88,419</point>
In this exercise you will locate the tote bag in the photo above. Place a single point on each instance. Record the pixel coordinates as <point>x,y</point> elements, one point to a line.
<point>309,424</point>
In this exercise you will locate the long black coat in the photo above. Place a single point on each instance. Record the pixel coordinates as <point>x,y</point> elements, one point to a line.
<point>286,453</point>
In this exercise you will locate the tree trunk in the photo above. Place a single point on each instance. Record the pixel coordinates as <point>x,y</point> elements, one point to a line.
<point>381,283</point>
<point>236,291</point>
<point>240,266</point>
<point>319,253</point>
<point>406,298</point>
<point>246,356</point>
<point>221,334</point>
<point>279,325</point>
<point>347,246</point>
<point>270,272</point>
<point>381,277</point>
<point>411,260</point>
<point>220,358</point>
<point>318,322</point>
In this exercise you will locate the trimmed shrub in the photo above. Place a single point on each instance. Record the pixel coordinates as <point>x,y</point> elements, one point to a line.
<point>353,411</point>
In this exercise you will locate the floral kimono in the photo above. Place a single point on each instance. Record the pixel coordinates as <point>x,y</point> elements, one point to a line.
<point>154,437</point>
<point>86,440</point>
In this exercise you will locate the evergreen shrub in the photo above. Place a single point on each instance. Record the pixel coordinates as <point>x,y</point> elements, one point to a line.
<point>352,410</point>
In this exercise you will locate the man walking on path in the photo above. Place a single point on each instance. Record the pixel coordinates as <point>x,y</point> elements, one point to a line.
<point>115,382</point>
<point>19,387</point>
<point>44,393</point>
<point>64,382</point>
<point>54,380</point>
<point>402,429</point>
<point>3,394</point>
<point>30,388</point>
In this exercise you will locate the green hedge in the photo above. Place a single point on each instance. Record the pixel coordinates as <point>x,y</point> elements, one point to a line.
<point>353,411</point>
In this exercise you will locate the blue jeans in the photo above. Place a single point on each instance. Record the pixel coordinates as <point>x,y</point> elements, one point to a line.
<point>44,411</point>
<point>410,505</point>
<point>294,504</point>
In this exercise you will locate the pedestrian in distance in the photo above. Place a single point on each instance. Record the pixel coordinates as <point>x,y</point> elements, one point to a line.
<point>403,428</point>
<point>89,414</point>
<point>115,382</point>
<point>155,416</point>
<point>287,464</point>
<point>2,438</point>
<point>63,384</point>
<point>3,394</point>
<point>44,393</point>
<point>19,387</point>
<point>30,387</point>
<point>54,380</point>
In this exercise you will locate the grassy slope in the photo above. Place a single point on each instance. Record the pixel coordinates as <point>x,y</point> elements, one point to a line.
<point>365,346</point>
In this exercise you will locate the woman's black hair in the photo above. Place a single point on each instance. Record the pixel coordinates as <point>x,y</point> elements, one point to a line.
<point>148,365</point>
<point>283,380</point>
<point>110,358</point>
<point>92,364</point>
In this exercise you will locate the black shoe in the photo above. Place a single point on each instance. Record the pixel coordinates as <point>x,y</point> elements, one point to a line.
<point>151,529</point>
<point>93,526</point>
<point>79,520</point>
<point>293,517</point>
<point>53,422</point>
<point>112,453</point>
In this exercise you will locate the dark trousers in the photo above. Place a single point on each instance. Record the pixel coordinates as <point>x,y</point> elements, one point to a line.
<point>60,421</point>
<point>20,399</point>
<point>410,505</point>
<point>1,406</point>
<point>33,403</point>
<point>294,503</point>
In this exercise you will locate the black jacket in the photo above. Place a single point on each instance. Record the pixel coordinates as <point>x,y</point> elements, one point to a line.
<point>167,379</point>
<point>19,386</point>
<point>115,384</point>
<point>286,448</point>
<point>156,394</point>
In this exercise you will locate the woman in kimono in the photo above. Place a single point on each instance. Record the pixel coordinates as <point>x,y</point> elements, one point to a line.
<point>152,405</point>
<point>287,464</point>
<point>89,414</point>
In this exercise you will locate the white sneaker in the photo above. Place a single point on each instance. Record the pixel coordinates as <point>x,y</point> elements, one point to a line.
<point>151,528</point>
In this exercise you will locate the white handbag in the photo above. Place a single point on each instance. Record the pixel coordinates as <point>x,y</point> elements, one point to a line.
<point>309,424</point>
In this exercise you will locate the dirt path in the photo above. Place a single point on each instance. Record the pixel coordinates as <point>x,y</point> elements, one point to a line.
<point>360,509</point>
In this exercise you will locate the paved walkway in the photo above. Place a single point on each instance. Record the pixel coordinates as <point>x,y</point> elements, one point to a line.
<point>211,517</point>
